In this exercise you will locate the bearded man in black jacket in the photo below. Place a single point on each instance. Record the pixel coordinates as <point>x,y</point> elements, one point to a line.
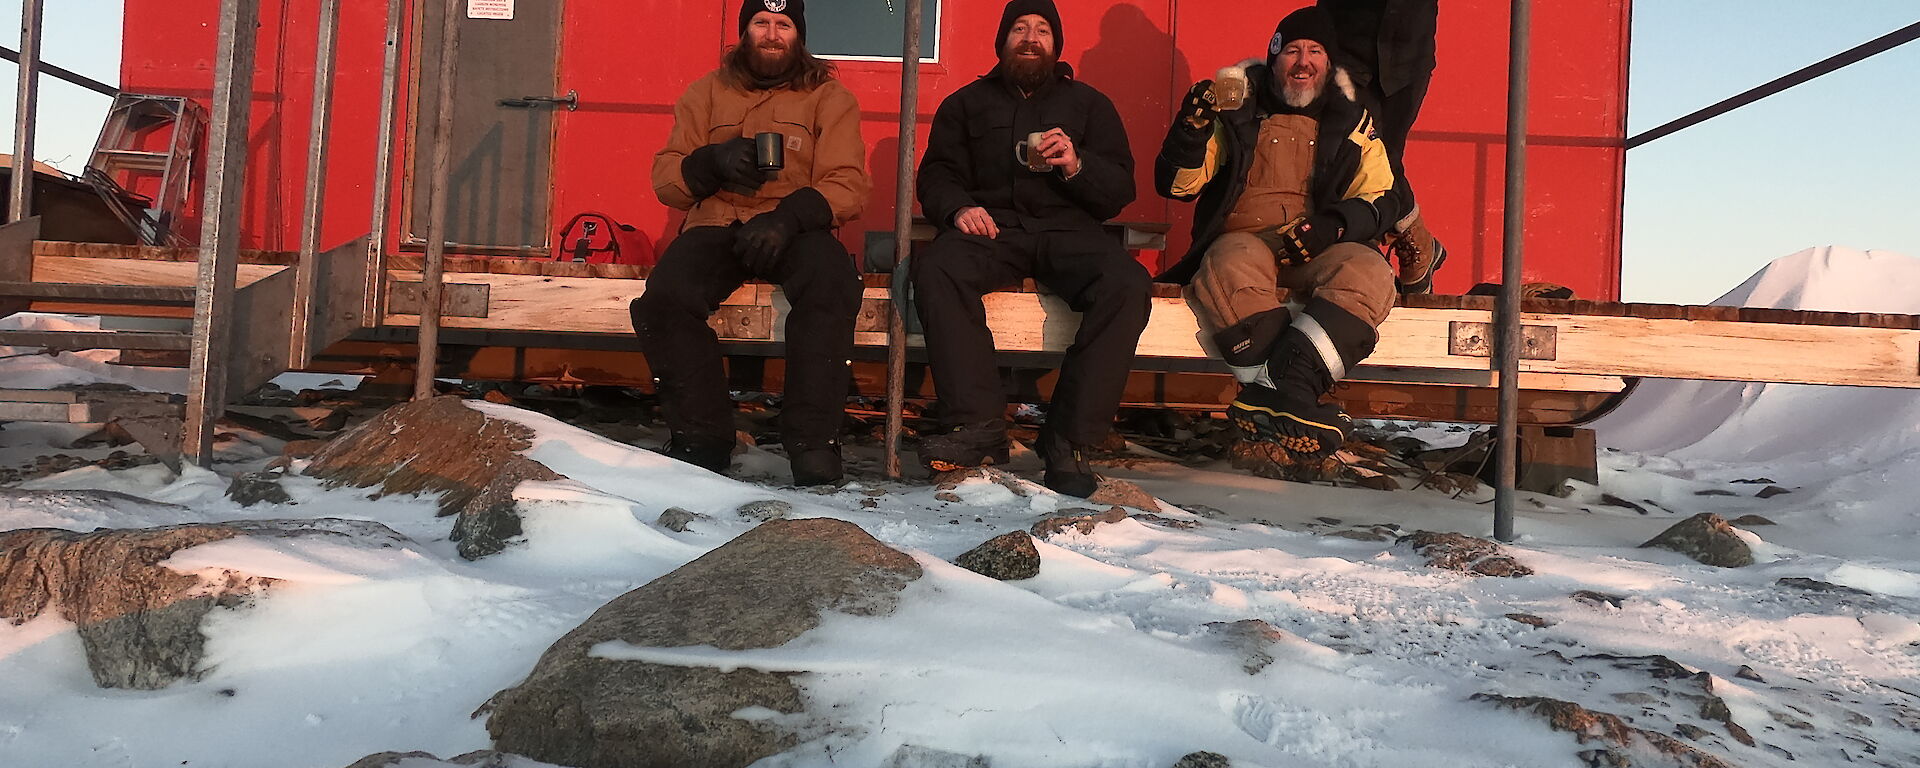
<point>1001,219</point>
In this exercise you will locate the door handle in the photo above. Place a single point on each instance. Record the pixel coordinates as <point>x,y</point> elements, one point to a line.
<point>572,100</point>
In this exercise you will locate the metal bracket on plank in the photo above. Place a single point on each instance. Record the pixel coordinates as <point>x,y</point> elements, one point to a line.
<point>458,299</point>
<point>1537,342</point>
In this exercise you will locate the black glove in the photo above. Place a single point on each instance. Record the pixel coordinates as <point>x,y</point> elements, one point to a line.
<point>764,238</point>
<point>1303,238</point>
<point>1197,111</point>
<point>728,164</point>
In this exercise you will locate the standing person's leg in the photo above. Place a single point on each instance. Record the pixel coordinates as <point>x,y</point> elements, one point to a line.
<point>822,286</point>
<point>695,274</point>
<point>948,279</point>
<point>1413,245</point>
<point>1111,292</point>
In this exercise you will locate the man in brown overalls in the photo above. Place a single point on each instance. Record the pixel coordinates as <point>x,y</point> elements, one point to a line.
<point>1291,188</point>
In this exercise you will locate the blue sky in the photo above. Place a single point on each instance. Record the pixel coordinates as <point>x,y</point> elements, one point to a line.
<point>1827,163</point>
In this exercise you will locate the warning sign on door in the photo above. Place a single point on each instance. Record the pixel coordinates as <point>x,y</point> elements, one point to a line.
<point>490,9</point>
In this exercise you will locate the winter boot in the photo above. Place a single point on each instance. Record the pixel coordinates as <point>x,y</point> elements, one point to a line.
<point>970,445</point>
<point>1067,471</point>
<point>815,465</point>
<point>1285,407</point>
<point>713,454</point>
<point>1246,345</point>
<point>1418,253</point>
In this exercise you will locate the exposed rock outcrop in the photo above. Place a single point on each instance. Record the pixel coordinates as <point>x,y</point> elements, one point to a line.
<point>592,700</point>
<point>440,445</point>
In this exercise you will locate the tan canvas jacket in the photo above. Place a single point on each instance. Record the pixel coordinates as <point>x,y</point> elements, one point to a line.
<point>824,149</point>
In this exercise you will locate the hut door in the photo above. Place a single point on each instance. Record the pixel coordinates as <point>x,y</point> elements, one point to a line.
<point>504,106</point>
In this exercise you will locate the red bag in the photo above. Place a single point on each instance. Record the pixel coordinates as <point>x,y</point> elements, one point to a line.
<point>601,240</point>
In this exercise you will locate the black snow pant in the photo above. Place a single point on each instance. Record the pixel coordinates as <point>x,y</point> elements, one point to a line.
<point>695,274</point>
<point>1089,270</point>
<point>1393,115</point>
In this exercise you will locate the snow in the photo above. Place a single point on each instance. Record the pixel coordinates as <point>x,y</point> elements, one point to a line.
<point>1104,659</point>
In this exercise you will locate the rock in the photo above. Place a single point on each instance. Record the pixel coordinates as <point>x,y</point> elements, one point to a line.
<point>1459,552</point>
<point>1751,520</point>
<point>910,756</point>
<point>945,482</point>
<point>484,758</point>
<point>1591,597</point>
<point>1116,492</point>
<point>1007,557</point>
<point>1252,638</point>
<point>764,510</point>
<point>1167,522</point>
<point>439,444</point>
<point>1770,492</point>
<point>331,421</point>
<point>1692,731</point>
<point>760,590</point>
<point>1589,726</point>
<point>1203,760</point>
<point>1530,620</point>
<point>947,496</point>
<point>1714,492</point>
<point>1746,673</point>
<point>302,449</point>
<point>1812,585</point>
<point>1615,501</point>
<point>1084,523</point>
<point>252,488</point>
<point>676,519</point>
<point>1360,534</point>
<point>139,621</point>
<point>1707,538</point>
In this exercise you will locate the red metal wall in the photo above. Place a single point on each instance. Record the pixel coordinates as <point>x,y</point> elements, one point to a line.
<point>629,59</point>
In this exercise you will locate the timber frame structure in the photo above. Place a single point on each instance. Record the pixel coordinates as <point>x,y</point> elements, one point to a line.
<point>354,307</point>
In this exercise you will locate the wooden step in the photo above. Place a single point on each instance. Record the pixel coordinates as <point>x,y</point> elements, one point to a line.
<point>156,295</point>
<point>75,340</point>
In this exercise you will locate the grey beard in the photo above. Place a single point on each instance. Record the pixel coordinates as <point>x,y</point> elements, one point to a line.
<point>1299,97</point>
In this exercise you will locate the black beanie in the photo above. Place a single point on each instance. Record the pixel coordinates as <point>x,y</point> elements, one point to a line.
<point>1309,23</point>
<point>1018,8</point>
<point>793,9</point>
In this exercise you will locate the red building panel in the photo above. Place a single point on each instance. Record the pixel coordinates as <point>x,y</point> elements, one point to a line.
<point>629,60</point>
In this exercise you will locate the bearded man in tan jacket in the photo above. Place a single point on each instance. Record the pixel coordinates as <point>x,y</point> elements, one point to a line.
<point>744,222</point>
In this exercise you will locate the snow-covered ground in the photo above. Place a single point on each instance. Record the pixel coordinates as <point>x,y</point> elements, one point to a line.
<point>1103,659</point>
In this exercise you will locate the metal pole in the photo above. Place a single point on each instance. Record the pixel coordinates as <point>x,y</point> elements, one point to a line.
<point>375,308</point>
<point>1846,58</point>
<point>62,73</point>
<point>902,233</point>
<point>220,229</point>
<point>26,105</point>
<point>1514,234</point>
<point>318,131</point>
<point>431,288</point>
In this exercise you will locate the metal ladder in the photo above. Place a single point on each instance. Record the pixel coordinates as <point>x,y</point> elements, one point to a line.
<point>121,160</point>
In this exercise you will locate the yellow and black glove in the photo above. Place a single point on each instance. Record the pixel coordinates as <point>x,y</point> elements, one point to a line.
<point>1198,110</point>
<point>1302,239</point>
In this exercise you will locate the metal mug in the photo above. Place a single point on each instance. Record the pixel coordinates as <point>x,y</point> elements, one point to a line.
<point>770,151</point>
<point>1230,88</point>
<point>1027,152</point>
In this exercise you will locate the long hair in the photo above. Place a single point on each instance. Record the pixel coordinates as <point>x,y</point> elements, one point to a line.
<point>807,72</point>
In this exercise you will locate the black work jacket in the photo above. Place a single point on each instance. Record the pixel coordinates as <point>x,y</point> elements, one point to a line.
<point>970,157</point>
<point>1391,41</point>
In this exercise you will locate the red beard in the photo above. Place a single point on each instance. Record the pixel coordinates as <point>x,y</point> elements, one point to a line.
<point>771,62</point>
<point>1028,74</point>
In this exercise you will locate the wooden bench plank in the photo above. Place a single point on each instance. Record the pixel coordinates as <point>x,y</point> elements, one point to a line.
<point>1603,340</point>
